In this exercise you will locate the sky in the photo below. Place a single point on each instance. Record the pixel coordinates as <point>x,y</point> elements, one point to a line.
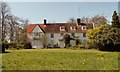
<point>37,11</point>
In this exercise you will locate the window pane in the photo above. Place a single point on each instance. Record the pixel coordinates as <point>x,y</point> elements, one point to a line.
<point>84,34</point>
<point>52,35</point>
<point>37,34</point>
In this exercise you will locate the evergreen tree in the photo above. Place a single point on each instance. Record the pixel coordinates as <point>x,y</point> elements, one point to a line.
<point>67,39</point>
<point>115,20</point>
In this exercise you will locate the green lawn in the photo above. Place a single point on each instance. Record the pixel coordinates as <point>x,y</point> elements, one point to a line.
<point>59,59</point>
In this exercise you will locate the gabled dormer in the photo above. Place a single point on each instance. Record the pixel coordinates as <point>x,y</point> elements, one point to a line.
<point>84,27</point>
<point>62,28</point>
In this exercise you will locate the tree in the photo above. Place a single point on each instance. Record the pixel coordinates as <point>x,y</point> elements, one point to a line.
<point>44,40</point>
<point>26,40</point>
<point>4,12</point>
<point>105,38</point>
<point>77,40</point>
<point>98,20</point>
<point>67,39</point>
<point>72,20</point>
<point>115,20</point>
<point>85,20</point>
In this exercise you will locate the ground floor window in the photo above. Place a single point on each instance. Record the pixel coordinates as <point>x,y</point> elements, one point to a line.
<point>84,34</point>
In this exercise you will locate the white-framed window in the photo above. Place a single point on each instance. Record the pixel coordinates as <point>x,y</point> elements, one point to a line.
<point>34,34</point>
<point>73,28</point>
<point>62,28</point>
<point>84,28</point>
<point>37,33</point>
<point>40,34</point>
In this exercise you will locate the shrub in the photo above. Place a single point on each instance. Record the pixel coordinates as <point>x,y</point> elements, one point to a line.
<point>12,45</point>
<point>27,46</point>
<point>19,45</point>
<point>67,39</point>
<point>75,47</point>
<point>68,46</point>
<point>77,40</point>
<point>105,38</point>
<point>90,45</point>
<point>81,46</point>
<point>4,45</point>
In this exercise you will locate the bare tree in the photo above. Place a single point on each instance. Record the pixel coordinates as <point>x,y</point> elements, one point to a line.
<point>98,20</point>
<point>23,32</point>
<point>85,20</point>
<point>44,40</point>
<point>21,28</point>
<point>72,20</point>
<point>4,12</point>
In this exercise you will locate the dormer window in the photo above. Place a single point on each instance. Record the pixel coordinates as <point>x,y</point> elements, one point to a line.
<point>74,28</point>
<point>84,28</point>
<point>62,28</point>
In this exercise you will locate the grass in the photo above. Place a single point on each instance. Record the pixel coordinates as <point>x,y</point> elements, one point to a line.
<point>59,59</point>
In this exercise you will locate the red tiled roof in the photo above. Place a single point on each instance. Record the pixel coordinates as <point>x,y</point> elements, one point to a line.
<point>30,27</point>
<point>55,27</point>
<point>42,26</point>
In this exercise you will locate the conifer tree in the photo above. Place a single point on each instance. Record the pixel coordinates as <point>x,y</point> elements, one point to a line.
<point>115,20</point>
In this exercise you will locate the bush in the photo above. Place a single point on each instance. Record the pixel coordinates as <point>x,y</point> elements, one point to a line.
<point>27,46</point>
<point>81,46</point>
<point>18,45</point>
<point>90,45</point>
<point>4,45</point>
<point>75,47</point>
<point>12,45</point>
<point>105,38</point>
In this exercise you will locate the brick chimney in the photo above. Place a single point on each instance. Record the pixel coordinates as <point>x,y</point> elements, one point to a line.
<point>45,21</point>
<point>78,21</point>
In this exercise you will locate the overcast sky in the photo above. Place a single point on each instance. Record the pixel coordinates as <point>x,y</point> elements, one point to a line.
<point>53,11</point>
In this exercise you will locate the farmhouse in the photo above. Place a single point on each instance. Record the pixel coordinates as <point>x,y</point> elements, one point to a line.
<point>49,34</point>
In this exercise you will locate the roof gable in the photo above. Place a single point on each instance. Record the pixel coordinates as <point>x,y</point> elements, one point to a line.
<point>37,29</point>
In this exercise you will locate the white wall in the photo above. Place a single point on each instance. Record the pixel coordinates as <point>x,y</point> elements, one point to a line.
<point>58,36</point>
<point>55,40</point>
<point>36,43</point>
<point>37,29</point>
